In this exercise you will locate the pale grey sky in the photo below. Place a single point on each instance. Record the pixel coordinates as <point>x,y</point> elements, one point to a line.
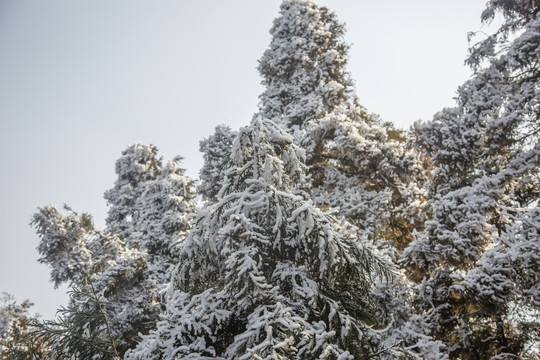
<point>81,80</point>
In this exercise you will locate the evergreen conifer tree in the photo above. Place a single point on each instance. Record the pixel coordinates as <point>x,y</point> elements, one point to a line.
<point>303,68</point>
<point>161,221</point>
<point>263,273</point>
<point>149,205</point>
<point>138,164</point>
<point>478,256</point>
<point>365,169</point>
<point>108,281</point>
<point>115,275</point>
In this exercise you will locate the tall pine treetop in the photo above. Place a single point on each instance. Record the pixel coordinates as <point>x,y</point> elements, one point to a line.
<point>303,70</point>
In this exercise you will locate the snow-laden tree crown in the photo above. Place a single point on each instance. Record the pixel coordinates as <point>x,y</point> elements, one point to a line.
<point>264,274</point>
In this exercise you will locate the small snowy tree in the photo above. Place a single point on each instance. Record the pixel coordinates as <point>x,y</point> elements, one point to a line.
<point>216,151</point>
<point>111,281</point>
<point>149,207</point>
<point>115,275</point>
<point>63,243</point>
<point>161,220</point>
<point>263,273</point>
<point>137,165</point>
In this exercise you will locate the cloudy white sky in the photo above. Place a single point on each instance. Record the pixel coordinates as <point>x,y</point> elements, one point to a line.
<point>81,80</point>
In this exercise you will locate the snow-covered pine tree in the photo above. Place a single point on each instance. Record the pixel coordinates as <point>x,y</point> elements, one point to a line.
<point>115,278</point>
<point>161,221</point>
<point>109,285</point>
<point>138,164</point>
<point>479,255</point>
<point>216,151</point>
<point>264,274</point>
<point>365,169</point>
<point>149,206</point>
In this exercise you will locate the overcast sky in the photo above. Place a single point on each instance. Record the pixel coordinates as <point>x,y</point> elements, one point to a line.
<point>81,80</point>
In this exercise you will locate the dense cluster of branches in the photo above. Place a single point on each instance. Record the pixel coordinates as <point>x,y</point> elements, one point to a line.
<point>317,231</point>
